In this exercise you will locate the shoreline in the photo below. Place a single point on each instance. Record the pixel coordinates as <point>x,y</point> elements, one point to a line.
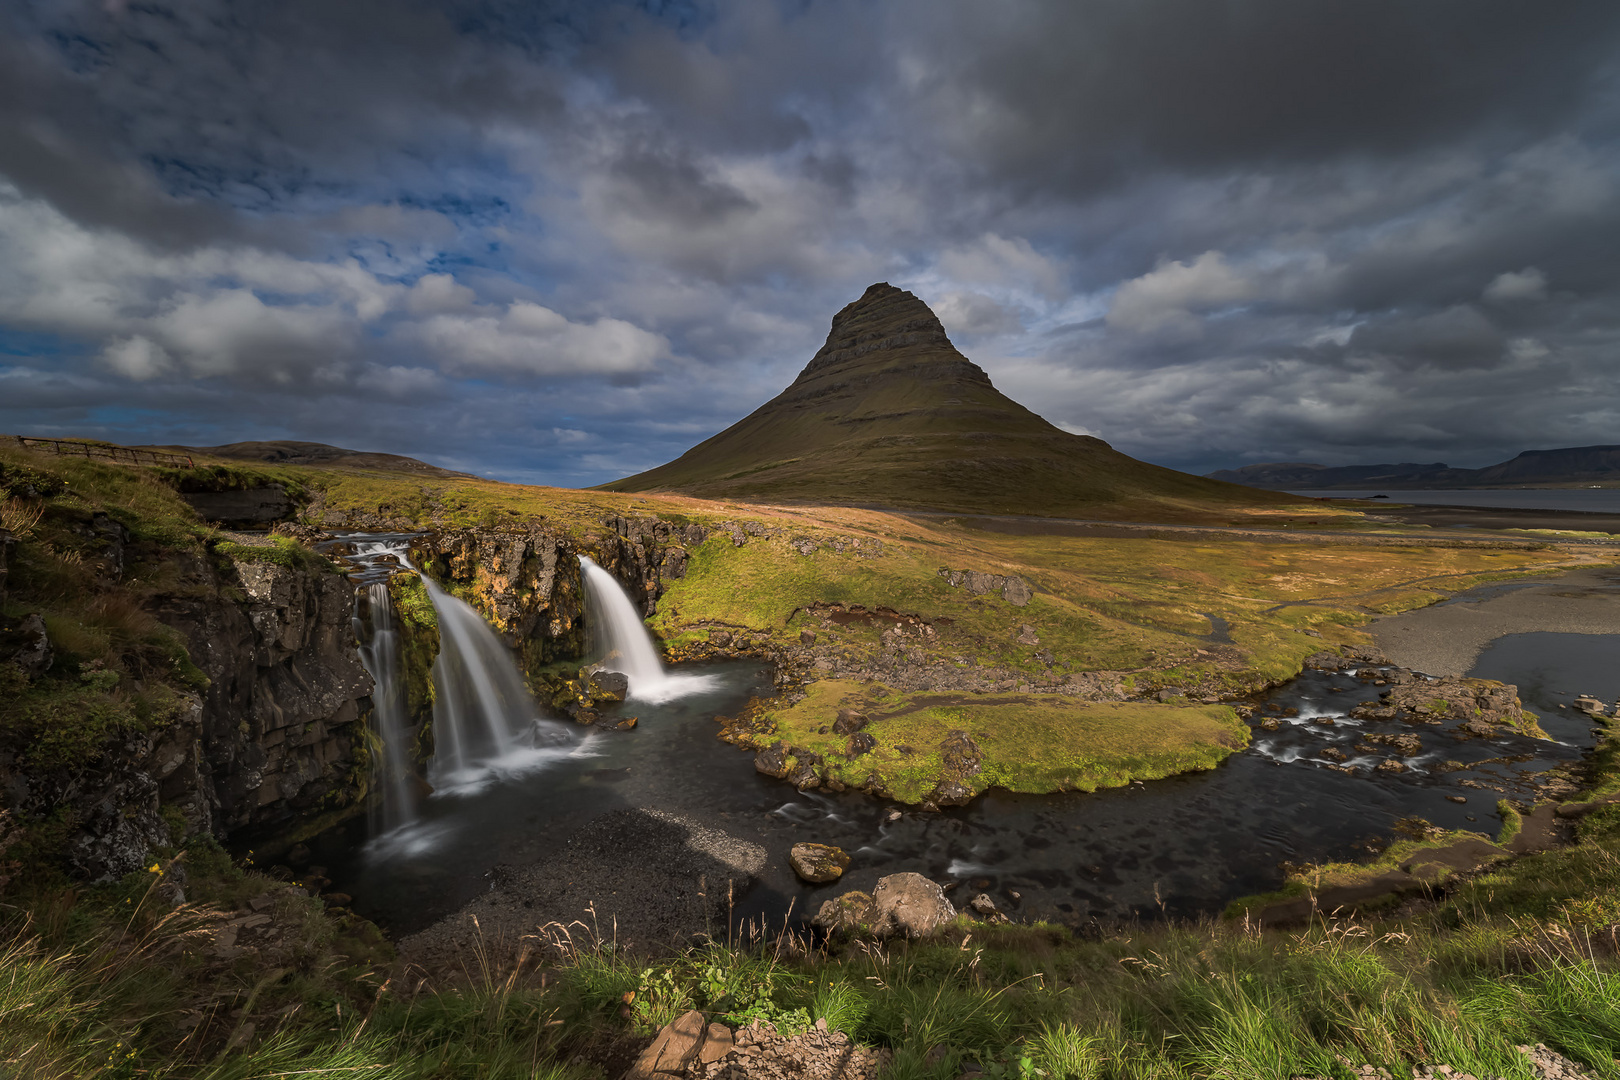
<point>1446,638</point>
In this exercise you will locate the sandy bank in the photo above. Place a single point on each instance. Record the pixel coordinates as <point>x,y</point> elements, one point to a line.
<point>1447,638</point>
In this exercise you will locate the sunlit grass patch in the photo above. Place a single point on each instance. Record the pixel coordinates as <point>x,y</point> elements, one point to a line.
<point>1029,743</point>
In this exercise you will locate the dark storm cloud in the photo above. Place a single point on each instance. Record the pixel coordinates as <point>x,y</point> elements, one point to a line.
<point>1057,91</point>
<point>567,240</point>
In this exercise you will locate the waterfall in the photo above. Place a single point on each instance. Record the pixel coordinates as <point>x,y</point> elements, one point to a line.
<point>626,645</point>
<point>484,720</point>
<point>481,709</point>
<point>379,653</point>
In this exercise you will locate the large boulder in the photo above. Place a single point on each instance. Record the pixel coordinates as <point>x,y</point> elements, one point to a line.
<point>677,1046</point>
<point>843,912</point>
<point>960,755</point>
<point>818,863</point>
<point>908,905</point>
<point>1017,591</point>
<point>859,743</point>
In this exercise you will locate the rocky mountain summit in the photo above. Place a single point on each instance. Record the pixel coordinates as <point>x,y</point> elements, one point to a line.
<point>889,413</point>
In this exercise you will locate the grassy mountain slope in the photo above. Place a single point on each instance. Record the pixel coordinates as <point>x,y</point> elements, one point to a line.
<point>889,413</point>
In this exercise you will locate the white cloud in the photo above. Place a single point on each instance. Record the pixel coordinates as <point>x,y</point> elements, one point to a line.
<point>571,436</point>
<point>435,294</point>
<point>1004,263</point>
<point>529,338</point>
<point>137,358</point>
<point>974,313</point>
<point>240,312</point>
<point>1167,298</point>
<point>1526,284</point>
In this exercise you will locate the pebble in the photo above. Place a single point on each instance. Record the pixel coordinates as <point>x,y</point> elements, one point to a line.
<point>759,1053</point>
<point>1545,1064</point>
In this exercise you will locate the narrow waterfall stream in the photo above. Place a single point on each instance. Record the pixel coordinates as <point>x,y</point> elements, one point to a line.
<point>379,654</point>
<point>625,645</point>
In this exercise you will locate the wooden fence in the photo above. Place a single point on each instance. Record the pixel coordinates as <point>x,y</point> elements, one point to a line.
<point>121,455</point>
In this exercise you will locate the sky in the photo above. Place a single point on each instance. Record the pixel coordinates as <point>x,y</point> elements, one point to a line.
<point>561,242</point>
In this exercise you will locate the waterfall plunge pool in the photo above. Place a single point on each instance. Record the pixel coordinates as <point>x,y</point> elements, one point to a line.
<point>1183,846</point>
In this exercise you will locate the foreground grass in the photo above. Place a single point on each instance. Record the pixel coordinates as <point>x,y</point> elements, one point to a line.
<point>1450,986</point>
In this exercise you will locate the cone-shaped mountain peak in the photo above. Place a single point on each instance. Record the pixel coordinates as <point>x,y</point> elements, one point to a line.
<point>889,413</point>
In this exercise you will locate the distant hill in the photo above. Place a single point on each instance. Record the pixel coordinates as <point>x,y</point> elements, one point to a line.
<point>889,413</point>
<point>1572,465</point>
<point>286,452</point>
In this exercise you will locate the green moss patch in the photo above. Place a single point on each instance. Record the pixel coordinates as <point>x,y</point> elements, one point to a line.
<point>1028,744</point>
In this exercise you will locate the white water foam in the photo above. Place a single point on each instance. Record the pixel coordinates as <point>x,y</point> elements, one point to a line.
<point>408,841</point>
<point>963,868</point>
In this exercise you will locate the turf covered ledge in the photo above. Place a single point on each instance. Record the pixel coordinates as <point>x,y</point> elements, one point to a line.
<point>947,748</point>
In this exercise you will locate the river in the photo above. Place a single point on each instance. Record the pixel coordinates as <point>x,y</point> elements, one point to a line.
<point>1182,846</point>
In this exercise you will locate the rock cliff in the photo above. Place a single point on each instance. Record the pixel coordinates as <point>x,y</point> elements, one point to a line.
<point>271,730</point>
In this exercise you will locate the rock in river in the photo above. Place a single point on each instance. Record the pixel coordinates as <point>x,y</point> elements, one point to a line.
<point>818,863</point>
<point>772,761</point>
<point>609,686</point>
<point>905,904</point>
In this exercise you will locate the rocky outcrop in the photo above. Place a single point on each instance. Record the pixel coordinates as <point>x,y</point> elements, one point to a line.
<point>111,799</point>
<point>245,506</point>
<point>272,728</point>
<point>1010,587</point>
<point>1479,707</point>
<point>641,552</point>
<point>281,723</point>
<point>524,579</point>
<point>960,761</point>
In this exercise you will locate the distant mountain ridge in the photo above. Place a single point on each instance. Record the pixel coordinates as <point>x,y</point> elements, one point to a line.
<point>889,413</point>
<point>291,452</point>
<point>1570,465</point>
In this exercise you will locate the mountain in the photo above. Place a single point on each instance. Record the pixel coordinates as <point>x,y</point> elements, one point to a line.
<point>286,452</point>
<point>1571,465</point>
<point>889,413</point>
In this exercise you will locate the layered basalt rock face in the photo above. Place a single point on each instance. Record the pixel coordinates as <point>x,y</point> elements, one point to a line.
<point>888,412</point>
<point>281,718</point>
<point>526,579</point>
<point>275,734</point>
